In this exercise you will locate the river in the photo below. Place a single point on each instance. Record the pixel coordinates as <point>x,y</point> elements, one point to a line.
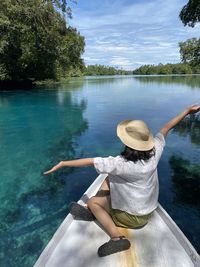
<point>41,126</point>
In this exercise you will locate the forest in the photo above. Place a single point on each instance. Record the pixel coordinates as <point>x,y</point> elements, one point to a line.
<point>37,43</point>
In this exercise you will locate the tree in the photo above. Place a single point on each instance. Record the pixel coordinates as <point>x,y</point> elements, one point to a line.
<point>72,46</point>
<point>181,68</point>
<point>190,51</point>
<point>104,70</point>
<point>190,13</point>
<point>62,5</point>
<point>165,69</point>
<point>33,40</point>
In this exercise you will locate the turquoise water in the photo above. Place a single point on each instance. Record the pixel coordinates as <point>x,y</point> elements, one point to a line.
<point>40,127</point>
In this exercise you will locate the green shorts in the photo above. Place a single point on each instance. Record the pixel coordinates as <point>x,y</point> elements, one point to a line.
<point>127,220</point>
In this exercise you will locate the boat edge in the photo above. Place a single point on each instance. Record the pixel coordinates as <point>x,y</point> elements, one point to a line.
<point>182,239</point>
<point>93,188</point>
<point>43,258</point>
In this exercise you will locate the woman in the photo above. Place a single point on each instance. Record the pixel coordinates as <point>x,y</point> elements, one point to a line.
<point>129,195</point>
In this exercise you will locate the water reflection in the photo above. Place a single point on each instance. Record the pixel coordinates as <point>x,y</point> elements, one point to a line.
<point>190,126</point>
<point>41,127</point>
<point>101,80</point>
<point>186,175</point>
<point>186,180</point>
<point>71,84</point>
<point>32,206</point>
<point>192,81</point>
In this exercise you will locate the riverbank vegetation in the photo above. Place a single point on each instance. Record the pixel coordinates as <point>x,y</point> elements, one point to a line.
<point>36,42</point>
<point>104,70</point>
<point>164,69</point>
<point>190,61</point>
<point>179,68</point>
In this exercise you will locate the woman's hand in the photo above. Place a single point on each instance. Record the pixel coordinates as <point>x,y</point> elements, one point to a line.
<point>72,163</point>
<point>55,168</point>
<point>193,109</point>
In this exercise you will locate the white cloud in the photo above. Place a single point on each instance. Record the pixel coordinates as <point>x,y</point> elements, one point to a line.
<point>121,62</point>
<point>126,33</point>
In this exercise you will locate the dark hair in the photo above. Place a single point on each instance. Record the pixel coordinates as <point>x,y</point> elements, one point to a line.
<point>135,155</point>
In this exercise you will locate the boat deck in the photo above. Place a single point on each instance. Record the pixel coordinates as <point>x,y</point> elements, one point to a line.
<point>158,244</point>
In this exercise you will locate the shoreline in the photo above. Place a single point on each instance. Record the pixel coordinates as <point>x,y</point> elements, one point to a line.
<point>11,85</point>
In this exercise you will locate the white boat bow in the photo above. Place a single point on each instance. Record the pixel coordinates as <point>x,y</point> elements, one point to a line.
<point>159,244</point>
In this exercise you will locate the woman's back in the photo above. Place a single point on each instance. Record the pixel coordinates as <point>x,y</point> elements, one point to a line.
<point>133,185</point>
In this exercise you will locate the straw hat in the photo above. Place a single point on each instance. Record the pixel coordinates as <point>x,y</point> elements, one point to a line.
<point>135,134</point>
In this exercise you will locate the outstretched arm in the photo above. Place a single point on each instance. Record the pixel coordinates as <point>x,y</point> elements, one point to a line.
<point>190,110</point>
<point>72,163</point>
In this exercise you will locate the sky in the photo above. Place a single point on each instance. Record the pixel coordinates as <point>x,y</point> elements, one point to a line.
<point>129,33</point>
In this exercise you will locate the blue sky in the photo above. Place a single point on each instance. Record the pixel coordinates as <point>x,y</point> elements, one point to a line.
<point>128,34</point>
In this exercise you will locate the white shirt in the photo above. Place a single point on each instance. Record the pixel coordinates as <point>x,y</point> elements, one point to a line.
<point>134,187</point>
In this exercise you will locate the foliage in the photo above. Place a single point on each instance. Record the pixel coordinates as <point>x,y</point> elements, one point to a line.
<point>62,5</point>
<point>104,70</point>
<point>190,51</point>
<point>179,68</point>
<point>35,42</point>
<point>190,13</point>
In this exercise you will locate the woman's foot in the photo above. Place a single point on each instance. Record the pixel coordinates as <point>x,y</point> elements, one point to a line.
<point>80,212</point>
<point>114,245</point>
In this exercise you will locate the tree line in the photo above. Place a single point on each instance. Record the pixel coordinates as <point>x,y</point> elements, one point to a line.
<point>104,70</point>
<point>36,43</point>
<point>190,57</point>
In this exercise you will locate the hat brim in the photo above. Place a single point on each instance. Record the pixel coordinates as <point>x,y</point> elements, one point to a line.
<point>132,143</point>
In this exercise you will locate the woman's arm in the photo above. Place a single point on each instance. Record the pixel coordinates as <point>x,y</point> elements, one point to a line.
<point>190,110</point>
<point>72,163</point>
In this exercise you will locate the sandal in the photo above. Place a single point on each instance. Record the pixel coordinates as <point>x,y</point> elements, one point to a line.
<point>80,213</point>
<point>113,246</point>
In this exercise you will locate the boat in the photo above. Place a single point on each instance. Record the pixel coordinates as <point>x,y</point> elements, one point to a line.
<point>160,243</point>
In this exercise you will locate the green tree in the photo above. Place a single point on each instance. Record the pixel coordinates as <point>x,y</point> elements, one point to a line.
<point>104,70</point>
<point>72,46</point>
<point>190,13</point>
<point>62,5</point>
<point>165,69</point>
<point>35,42</point>
<point>190,51</point>
<point>181,68</point>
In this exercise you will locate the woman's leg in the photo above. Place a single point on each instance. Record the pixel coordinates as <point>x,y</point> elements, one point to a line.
<point>100,207</point>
